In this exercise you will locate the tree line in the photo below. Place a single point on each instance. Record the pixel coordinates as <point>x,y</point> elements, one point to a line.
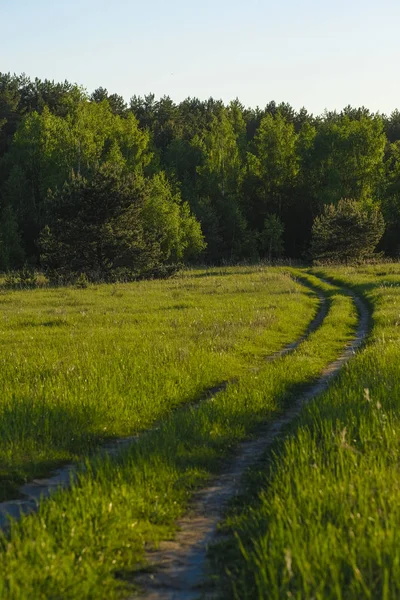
<point>90,183</point>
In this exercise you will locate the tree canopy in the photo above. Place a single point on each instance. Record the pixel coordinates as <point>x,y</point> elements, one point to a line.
<point>252,180</point>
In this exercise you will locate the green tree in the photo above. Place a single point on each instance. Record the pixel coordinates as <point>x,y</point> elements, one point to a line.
<point>9,113</point>
<point>11,252</point>
<point>275,164</point>
<point>270,238</point>
<point>391,199</point>
<point>302,205</point>
<point>117,225</point>
<point>167,222</point>
<point>348,158</point>
<point>346,232</point>
<point>94,227</point>
<point>18,195</point>
<point>218,186</point>
<point>115,101</point>
<point>49,150</point>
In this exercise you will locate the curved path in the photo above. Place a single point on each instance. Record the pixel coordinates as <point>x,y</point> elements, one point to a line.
<point>38,489</point>
<point>179,566</point>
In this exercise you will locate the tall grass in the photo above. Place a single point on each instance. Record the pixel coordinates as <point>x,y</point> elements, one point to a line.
<point>320,518</point>
<point>80,366</point>
<point>88,542</point>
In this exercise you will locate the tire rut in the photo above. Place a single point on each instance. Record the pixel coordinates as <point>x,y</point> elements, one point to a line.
<point>178,568</point>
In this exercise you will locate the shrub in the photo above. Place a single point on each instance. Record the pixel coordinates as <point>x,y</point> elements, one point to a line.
<point>346,232</point>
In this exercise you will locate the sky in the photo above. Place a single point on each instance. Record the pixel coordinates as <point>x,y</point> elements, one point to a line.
<point>312,53</point>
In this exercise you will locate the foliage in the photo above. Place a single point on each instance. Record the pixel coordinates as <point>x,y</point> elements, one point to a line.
<point>233,166</point>
<point>95,228</point>
<point>348,158</point>
<point>271,236</point>
<point>276,162</point>
<point>24,278</point>
<point>169,223</point>
<point>48,151</point>
<point>116,226</point>
<point>347,232</point>
<point>11,252</point>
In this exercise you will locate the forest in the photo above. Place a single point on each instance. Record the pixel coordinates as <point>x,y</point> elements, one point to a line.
<point>91,184</point>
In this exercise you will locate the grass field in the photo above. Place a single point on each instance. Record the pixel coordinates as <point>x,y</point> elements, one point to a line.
<point>79,367</point>
<point>319,517</point>
<point>88,541</point>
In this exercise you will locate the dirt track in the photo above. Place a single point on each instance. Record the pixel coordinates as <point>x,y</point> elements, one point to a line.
<point>179,567</point>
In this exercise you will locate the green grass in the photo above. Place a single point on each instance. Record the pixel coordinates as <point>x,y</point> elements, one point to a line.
<point>320,516</point>
<point>88,542</point>
<point>79,367</point>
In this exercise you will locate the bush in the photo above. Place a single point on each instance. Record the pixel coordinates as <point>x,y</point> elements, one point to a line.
<point>347,232</point>
<point>24,278</point>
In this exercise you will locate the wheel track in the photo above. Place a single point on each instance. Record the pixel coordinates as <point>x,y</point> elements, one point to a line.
<point>178,567</point>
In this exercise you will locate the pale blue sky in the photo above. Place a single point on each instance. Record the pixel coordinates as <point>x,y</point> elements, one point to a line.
<point>314,53</point>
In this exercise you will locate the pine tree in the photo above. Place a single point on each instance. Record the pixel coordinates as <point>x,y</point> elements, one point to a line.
<point>348,232</point>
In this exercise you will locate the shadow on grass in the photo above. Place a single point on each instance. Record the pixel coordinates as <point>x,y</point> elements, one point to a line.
<point>37,438</point>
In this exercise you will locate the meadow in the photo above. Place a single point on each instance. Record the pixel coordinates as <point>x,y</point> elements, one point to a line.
<point>79,367</point>
<point>319,516</point>
<point>89,541</point>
